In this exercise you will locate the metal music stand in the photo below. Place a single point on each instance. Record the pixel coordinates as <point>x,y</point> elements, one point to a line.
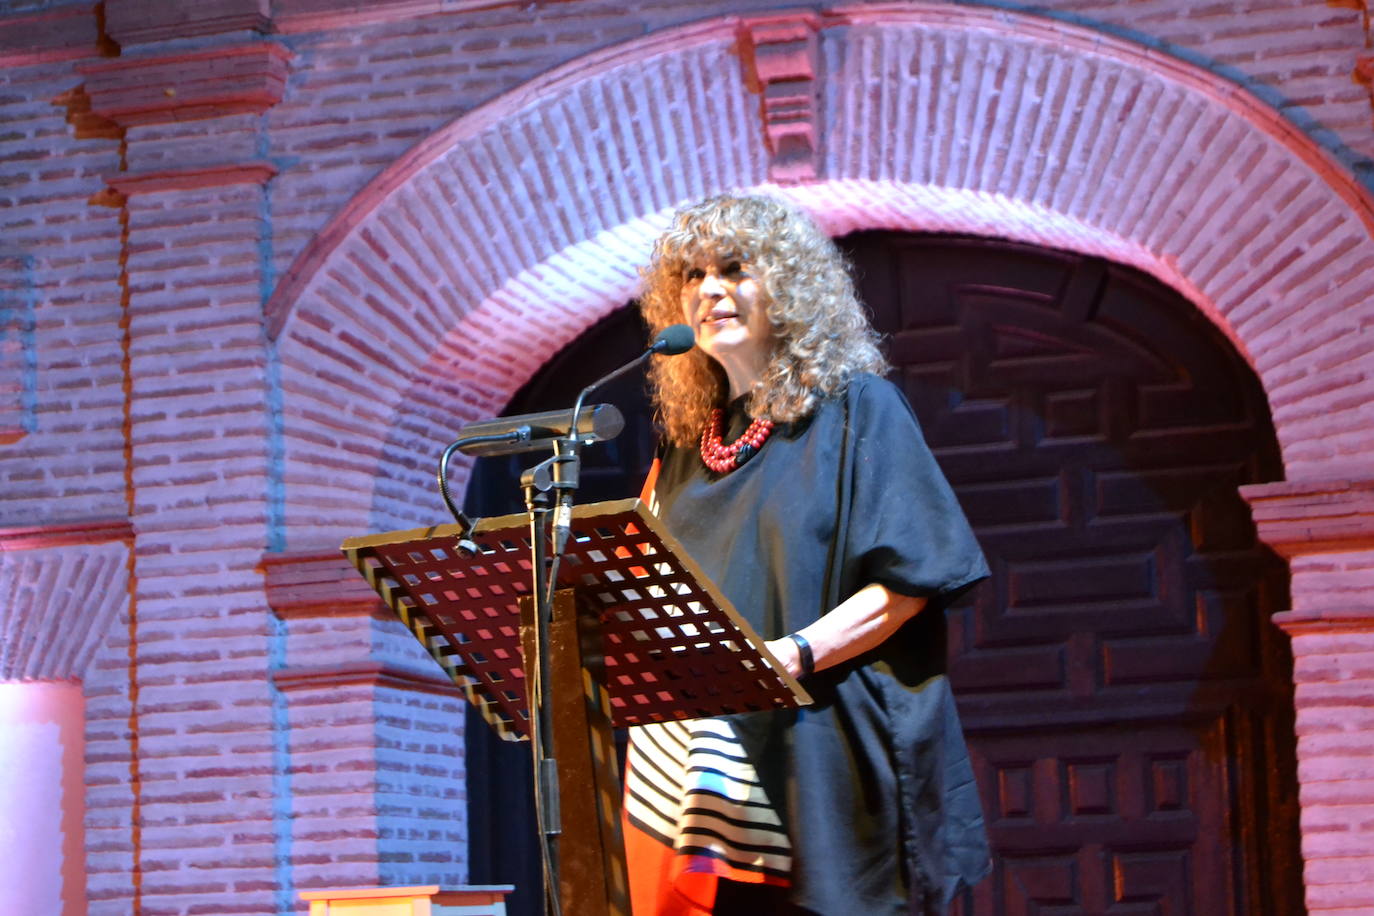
<point>639,634</point>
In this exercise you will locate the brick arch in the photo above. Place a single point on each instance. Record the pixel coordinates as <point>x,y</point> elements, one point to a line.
<point>464,266</point>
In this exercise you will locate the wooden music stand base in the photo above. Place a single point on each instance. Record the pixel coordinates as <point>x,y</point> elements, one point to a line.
<point>592,879</point>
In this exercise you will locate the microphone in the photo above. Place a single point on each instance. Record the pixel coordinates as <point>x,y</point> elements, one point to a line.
<point>674,339</point>
<point>523,433</point>
<point>530,432</point>
<point>533,431</point>
<point>564,430</point>
<point>671,341</point>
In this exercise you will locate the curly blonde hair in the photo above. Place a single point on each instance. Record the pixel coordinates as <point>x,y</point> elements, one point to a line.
<point>821,334</point>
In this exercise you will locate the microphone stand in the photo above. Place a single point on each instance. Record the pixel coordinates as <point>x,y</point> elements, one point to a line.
<point>560,473</point>
<point>535,483</point>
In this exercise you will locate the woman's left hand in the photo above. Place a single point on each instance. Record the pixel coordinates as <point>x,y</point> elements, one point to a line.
<point>787,654</point>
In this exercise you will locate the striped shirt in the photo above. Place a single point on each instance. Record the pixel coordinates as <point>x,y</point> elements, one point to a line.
<point>691,787</point>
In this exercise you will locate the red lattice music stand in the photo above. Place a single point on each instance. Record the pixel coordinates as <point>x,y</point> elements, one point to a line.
<point>635,622</point>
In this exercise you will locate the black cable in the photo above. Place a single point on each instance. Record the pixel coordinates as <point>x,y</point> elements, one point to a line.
<point>443,486</point>
<point>467,524</point>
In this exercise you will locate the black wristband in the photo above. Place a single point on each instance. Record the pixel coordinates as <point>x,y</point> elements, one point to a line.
<point>808,661</point>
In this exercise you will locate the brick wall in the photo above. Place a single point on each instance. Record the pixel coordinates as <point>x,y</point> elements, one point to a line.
<point>60,255</point>
<point>261,261</point>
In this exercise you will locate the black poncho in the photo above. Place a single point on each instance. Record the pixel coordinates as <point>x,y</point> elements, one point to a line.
<point>873,782</point>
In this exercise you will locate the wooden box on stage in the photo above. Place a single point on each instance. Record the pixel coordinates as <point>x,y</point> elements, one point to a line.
<point>424,900</point>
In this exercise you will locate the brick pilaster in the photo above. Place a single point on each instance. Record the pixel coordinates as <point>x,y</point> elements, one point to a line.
<point>377,754</point>
<point>1326,530</point>
<point>208,742</point>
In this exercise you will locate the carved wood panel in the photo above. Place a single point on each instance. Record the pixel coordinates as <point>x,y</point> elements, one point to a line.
<point>1127,701</point>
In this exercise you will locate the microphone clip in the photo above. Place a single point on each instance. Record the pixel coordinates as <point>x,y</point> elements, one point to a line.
<point>559,471</point>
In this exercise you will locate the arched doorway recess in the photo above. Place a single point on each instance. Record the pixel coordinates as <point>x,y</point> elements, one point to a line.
<point>1127,699</point>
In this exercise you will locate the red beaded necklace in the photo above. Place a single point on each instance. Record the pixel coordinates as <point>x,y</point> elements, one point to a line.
<point>723,458</point>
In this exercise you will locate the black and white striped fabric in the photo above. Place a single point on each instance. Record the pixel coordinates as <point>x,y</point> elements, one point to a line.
<point>690,785</point>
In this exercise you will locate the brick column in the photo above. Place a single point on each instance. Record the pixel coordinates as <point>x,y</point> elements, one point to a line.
<point>377,755</point>
<point>208,747</point>
<point>320,746</point>
<point>1326,531</point>
<point>208,734</point>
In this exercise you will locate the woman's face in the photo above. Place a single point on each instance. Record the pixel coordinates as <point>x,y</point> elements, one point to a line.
<point>721,302</point>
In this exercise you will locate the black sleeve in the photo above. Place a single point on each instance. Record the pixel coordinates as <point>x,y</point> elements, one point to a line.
<point>907,530</point>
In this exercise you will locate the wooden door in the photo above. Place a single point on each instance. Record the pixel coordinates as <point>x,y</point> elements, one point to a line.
<point>1127,701</point>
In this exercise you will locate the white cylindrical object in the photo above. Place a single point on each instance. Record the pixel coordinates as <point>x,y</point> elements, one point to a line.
<point>42,797</point>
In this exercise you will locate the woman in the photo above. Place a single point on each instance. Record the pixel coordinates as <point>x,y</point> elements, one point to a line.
<point>798,480</point>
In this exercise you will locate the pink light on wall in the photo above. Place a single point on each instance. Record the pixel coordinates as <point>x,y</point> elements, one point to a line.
<point>42,803</point>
